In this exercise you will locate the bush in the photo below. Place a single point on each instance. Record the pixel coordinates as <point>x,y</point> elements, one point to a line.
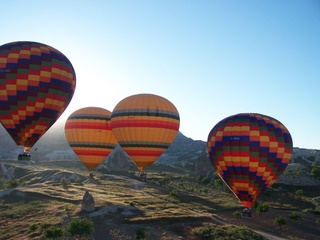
<point>12,183</point>
<point>315,172</point>
<point>174,194</point>
<point>311,211</point>
<point>299,192</point>
<point>80,227</point>
<point>280,221</point>
<point>141,234</point>
<point>218,183</point>
<point>316,202</point>
<point>236,214</point>
<point>164,181</point>
<point>33,227</point>
<point>64,181</point>
<point>262,208</point>
<point>226,232</point>
<point>69,207</point>
<point>295,216</point>
<point>2,184</point>
<point>53,232</point>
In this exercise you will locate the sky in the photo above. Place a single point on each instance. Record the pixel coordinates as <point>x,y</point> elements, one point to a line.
<point>210,58</point>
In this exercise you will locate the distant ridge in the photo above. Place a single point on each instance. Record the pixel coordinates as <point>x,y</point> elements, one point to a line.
<point>183,152</point>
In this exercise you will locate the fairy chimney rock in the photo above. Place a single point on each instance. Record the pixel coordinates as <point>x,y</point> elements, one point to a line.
<point>87,202</point>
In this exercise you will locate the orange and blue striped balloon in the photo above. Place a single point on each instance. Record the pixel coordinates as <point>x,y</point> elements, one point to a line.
<point>145,125</point>
<point>249,152</point>
<point>37,83</point>
<point>88,132</point>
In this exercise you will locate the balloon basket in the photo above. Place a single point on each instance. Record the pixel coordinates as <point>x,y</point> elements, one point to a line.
<point>24,156</point>
<point>246,213</point>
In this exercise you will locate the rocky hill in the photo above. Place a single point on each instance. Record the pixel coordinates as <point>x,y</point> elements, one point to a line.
<point>184,152</point>
<point>53,146</point>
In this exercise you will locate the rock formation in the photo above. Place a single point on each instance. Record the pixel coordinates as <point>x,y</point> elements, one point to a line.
<point>202,167</point>
<point>87,202</point>
<point>118,161</point>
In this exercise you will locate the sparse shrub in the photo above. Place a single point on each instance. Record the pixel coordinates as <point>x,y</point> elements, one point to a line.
<point>180,185</point>
<point>299,192</point>
<point>68,207</point>
<point>33,227</point>
<point>279,221</point>
<point>2,184</point>
<point>236,214</point>
<point>195,187</point>
<point>64,181</point>
<point>204,180</point>
<point>205,232</point>
<point>255,205</point>
<point>184,178</point>
<point>211,231</point>
<point>218,184</point>
<point>262,208</point>
<point>241,232</point>
<point>312,211</point>
<point>316,202</point>
<point>295,216</point>
<point>53,232</point>
<point>198,179</point>
<point>174,194</point>
<point>164,181</point>
<point>204,190</point>
<point>44,225</point>
<point>315,172</point>
<point>13,183</point>
<point>78,180</point>
<point>141,234</point>
<point>80,227</point>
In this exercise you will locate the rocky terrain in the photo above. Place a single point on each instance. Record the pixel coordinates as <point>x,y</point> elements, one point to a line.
<point>184,152</point>
<point>56,180</point>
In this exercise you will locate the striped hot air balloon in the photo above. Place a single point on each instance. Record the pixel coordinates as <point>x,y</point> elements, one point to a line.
<point>88,132</point>
<point>37,83</point>
<point>249,152</point>
<point>145,125</point>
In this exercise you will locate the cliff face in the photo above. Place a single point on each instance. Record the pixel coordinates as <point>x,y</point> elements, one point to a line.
<point>305,156</point>
<point>202,167</point>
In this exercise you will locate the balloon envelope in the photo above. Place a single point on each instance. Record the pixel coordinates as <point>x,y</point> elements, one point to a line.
<point>145,125</point>
<point>249,152</point>
<point>88,132</point>
<point>37,83</point>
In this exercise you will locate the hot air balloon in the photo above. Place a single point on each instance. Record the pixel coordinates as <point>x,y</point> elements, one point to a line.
<point>37,83</point>
<point>88,132</point>
<point>145,125</point>
<point>249,152</point>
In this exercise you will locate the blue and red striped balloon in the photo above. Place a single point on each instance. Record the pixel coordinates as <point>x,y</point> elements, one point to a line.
<point>249,152</point>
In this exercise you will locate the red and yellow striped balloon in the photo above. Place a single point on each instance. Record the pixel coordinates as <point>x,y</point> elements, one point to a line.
<point>249,152</point>
<point>37,83</point>
<point>88,132</point>
<point>145,125</point>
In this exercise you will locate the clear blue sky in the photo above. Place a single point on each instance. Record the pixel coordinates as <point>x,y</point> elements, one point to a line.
<point>211,59</point>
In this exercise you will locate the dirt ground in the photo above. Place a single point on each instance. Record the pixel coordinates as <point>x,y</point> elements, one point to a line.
<point>307,228</point>
<point>180,227</point>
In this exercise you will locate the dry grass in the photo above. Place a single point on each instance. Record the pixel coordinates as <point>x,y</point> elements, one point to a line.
<point>163,214</point>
